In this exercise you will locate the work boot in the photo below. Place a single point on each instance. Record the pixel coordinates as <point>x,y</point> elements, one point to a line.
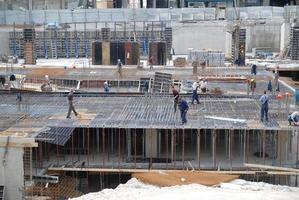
<point>68,117</point>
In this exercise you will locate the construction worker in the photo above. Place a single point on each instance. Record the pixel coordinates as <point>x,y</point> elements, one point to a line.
<point>194,92</point>
<point>146,86</point>
<point>119,66</point>
<point>106,87</point>
<point>252,85</point>
<point>19,100</point>
<point>183,105</point>
<point>294,117</point>
<point>264,106</point>
<point>176,96</point>
<point>203,85</point>
<point>70,98</point>
<point>269,86</point>
<point>151,62</point>
<point>253,69</point>
<point>276,78</point>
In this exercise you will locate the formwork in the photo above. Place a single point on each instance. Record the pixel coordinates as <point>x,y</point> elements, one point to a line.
<point>76,41</point>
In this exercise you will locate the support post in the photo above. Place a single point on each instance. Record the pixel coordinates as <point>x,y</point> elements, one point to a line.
<point>198,148</point>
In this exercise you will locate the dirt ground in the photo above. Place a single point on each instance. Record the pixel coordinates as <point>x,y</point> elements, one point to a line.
<point>40,72</point>
<point>164,179</point>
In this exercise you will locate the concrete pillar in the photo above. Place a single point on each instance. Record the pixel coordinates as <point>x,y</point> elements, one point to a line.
<point>125,3</point>
<point>151,143</point>
<point>129,143</point>
<point>12,173</point>
<point>154,3</point>
<point>30,4</point>
<point>294,146</point>
<point>12,165</point>
<point>282,147</point>
<point>284,35</point>
<point>228,45</point>
<point>266,3</point>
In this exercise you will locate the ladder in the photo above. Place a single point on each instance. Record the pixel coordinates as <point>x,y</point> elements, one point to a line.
<point>1,192</point>
<point>53,49</point>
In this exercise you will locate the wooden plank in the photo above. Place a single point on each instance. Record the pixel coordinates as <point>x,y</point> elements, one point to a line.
<point>167,179</point>
<point>18,142</point>
<point>128,53</point>
<point>271,167</point>
<point>71,169</point>
<point>106,53</point>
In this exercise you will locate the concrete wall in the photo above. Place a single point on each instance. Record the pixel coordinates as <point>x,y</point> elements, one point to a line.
<point>285,35</point>
<point>12,173</point>
<point>214,36</point>
<point>207,35</point>
<point>263,35</point>
<point>4,43</point>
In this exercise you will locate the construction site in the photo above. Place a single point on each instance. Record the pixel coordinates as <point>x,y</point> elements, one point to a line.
<point>121,65</point>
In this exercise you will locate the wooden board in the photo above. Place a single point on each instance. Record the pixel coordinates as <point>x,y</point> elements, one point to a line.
<point>166,179</point>
<point>106,53</point>
<point>128,53</point>
<point>96,53</point>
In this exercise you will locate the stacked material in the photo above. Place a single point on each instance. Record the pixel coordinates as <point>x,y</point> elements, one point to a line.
<point>107,53</point>
<point>212,58</point>
<point>157,51</point>
<point>104,4</point>
<point>96,53</point>
<point>29,53</point>
<point>180,62</point>
<point>105,34</point>
<point>168,38</point>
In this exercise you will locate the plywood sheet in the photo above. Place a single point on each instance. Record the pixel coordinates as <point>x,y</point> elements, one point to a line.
<point>128,53</point>
<point>106,53</point>
<point>165,179</point>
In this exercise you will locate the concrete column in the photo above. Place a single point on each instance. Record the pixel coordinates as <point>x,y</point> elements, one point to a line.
<point>129,143</point>
<point>30,4</point>
<point>151,143</point>
<point>125,3</point>
<point>266,3</point>
<point>228,45</point>
<point>282,147</point>
<point>12,165</point>
<point>284,35</point>
<point>154,3</point>
<point>12,173</point>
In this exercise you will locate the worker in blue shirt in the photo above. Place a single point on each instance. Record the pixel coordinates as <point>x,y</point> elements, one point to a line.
<point>183,106</point>
<point>264,106</point>
<point>253,69</point>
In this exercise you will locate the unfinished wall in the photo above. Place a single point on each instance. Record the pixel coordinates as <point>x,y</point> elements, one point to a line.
<point>263,35</point>
<point>12,173</point>
<point>4,43</point>
<point>205,35</point>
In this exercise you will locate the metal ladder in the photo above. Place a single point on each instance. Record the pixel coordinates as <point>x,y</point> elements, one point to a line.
<point>53,49</point>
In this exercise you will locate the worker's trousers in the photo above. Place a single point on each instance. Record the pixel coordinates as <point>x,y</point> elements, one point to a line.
<point>71,108</point>
<point>183,116</point>
<point>264,111</point>
<point>195,96</point>
<point>175,104</point>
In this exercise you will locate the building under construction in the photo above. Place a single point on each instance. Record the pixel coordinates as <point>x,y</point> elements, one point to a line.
<point>133,128</point>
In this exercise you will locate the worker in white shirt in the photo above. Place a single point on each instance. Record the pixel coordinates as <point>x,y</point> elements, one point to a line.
<point>294,117</point>
<point>203,85</point>
<point>194,92</point>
